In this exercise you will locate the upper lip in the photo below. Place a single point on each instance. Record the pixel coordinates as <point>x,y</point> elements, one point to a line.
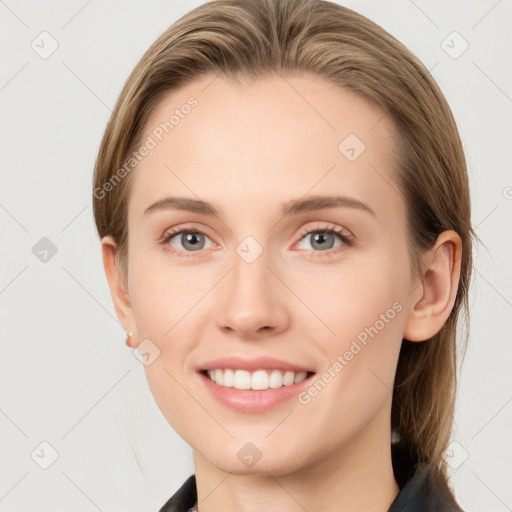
<point>255,363</point>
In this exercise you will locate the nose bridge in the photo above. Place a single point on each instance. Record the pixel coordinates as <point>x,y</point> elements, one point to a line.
<point>250,271</point>
<point>253,298</point>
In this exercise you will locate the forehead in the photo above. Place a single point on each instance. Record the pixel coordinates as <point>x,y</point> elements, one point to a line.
<point>278,136</point>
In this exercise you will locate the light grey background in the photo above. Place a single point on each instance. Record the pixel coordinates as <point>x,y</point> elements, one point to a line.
<point>67,377</point>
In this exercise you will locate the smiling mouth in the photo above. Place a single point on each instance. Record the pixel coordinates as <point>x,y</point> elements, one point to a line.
<point>257,380</point>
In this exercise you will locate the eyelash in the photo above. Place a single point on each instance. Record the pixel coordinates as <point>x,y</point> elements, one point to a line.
<point>344,236</point>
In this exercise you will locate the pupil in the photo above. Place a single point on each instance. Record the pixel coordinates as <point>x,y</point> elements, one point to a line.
<point>192,239</point>
<point>321,238</point>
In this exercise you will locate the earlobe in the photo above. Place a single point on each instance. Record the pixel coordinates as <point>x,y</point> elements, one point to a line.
<point>118,289</point>
<point>432,300</point>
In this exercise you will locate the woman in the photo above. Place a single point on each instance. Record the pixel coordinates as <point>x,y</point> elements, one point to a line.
<point>249,135</point>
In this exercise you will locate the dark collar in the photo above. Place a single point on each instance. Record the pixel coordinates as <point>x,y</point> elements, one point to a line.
<point>421,489</point>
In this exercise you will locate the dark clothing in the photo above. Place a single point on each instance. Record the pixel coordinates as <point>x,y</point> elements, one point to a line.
<point>421,490</point>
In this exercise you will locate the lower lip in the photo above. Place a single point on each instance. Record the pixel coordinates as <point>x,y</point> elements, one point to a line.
<point>250,400</point>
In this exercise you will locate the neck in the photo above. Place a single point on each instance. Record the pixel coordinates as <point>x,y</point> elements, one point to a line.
<point>355,476</point>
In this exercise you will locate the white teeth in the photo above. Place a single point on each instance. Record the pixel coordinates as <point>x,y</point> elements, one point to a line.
<point>229,378</point>
<point>276,379</point>
<point>242,379</point>
<point>288,378</point>
<point>257,380</point>
<point>299,377</point>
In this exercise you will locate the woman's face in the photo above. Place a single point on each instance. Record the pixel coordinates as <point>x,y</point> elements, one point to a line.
<point>250,283</point>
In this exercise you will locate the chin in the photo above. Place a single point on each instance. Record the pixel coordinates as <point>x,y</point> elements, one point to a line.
<point>248,461</point>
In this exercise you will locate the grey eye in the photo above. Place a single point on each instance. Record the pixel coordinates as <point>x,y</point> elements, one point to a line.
<point>322,240</point>
<point>190,241</point>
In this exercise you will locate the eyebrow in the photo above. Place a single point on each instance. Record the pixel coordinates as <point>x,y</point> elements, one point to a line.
<point>292,207</point>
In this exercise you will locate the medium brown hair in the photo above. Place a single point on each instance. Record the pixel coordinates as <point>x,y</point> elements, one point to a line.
<point>256,38</point>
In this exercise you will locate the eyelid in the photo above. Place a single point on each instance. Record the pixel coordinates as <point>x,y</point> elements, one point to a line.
<point>342,232</point>
<point>188,227</point>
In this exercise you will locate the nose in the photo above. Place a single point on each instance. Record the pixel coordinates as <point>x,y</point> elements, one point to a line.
<point>252,301</point>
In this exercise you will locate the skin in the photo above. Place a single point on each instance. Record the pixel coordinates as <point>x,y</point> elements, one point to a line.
<point>248,147</point>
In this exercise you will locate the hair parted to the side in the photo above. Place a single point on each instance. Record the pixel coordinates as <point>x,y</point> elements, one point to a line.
<point>257,38</point>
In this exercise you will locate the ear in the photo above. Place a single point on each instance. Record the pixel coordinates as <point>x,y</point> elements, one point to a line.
<point>434,294</point>
<point>118,289</point>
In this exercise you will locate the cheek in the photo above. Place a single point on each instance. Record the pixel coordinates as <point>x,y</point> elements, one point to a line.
<point>163,295</point>
<point>364,308</point>
<point>168,310</point>
<point>353,297</point>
